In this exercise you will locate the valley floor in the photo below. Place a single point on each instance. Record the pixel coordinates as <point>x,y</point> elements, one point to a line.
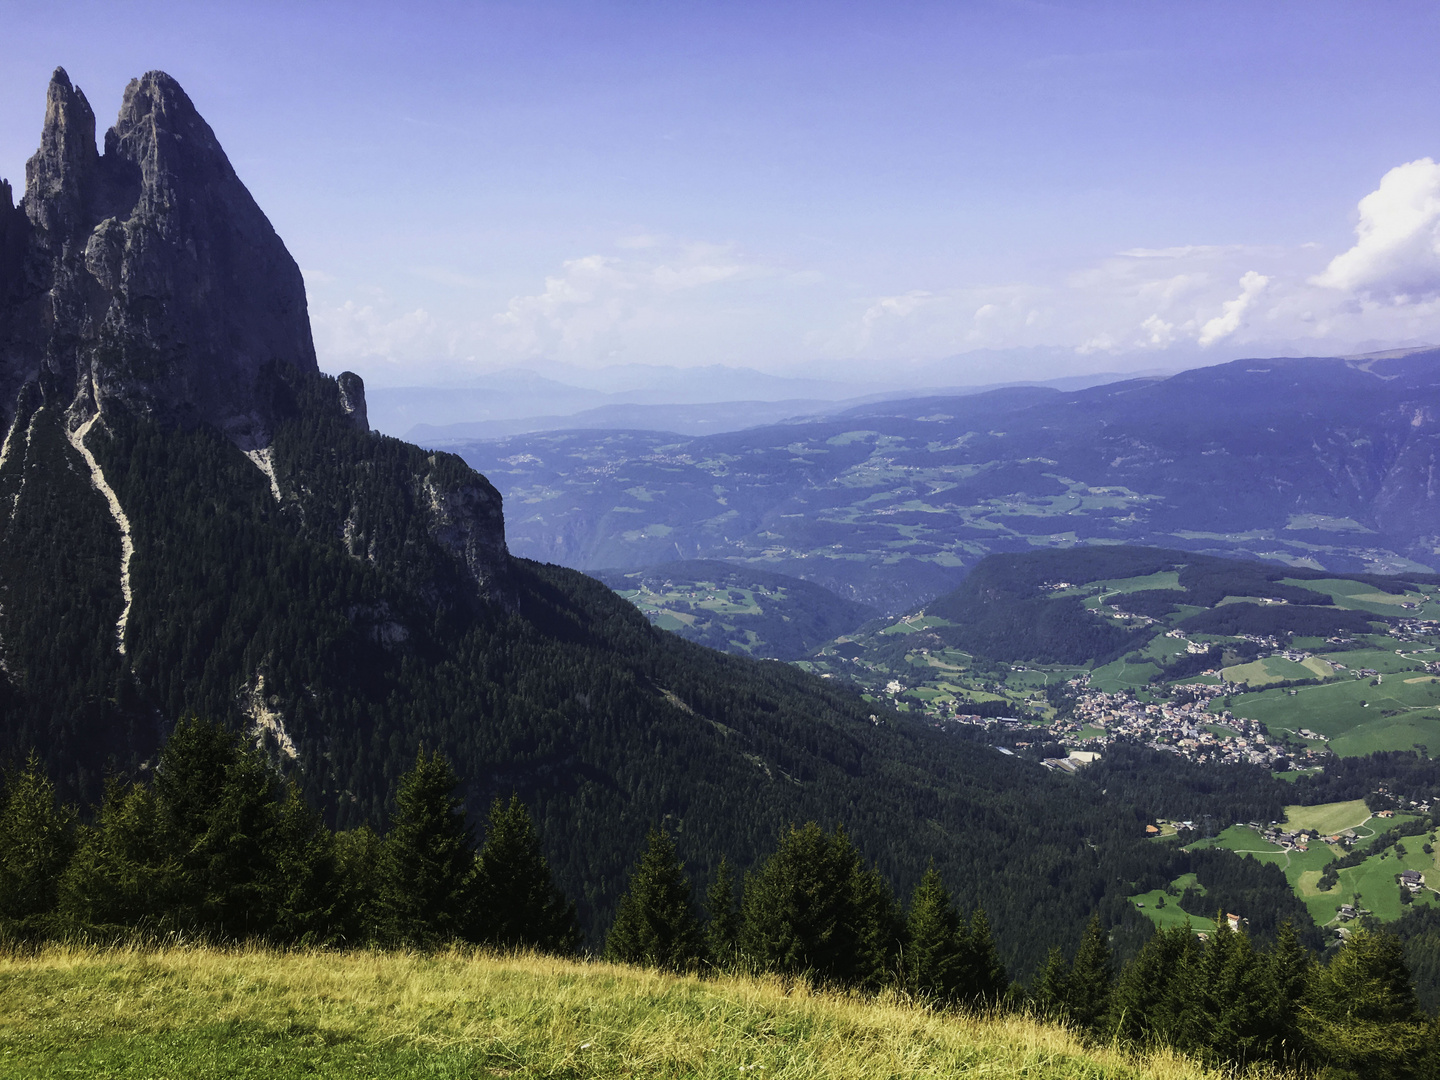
<point>198,1012</point>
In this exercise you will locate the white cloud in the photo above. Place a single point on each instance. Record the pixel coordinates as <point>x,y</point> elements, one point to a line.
<point>1397,248</point>
<point>1231,316</point>
<point>600,307</point>
<point>365,331</point>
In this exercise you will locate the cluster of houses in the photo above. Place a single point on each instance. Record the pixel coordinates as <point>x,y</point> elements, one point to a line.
<point>1183,726</point>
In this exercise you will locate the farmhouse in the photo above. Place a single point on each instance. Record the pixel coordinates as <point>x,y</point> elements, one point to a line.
<point>1412,880</point>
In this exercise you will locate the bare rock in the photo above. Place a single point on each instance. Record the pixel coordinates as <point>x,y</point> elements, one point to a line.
<point>148,274</point>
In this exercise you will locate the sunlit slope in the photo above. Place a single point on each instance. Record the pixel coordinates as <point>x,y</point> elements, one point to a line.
<point>201,1012</point>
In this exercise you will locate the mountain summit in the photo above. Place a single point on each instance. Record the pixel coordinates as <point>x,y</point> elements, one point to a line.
<point>146,274</point>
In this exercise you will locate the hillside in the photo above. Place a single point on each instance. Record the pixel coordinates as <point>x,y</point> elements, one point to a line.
<point>738,608</point>
<point>1314,461</point>
<point>383,1015</point>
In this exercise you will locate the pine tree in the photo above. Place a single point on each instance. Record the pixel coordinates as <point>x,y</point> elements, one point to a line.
<point>722,926</point>
<point>1050,999</point>
<point>814,909</point>
<point>37,839</point>
<point>303,893</point>
<point>1091,978</point>
<point>1359,1015</point>
<point>934,958</point>
<point>655,923</point>
<point>1286,972</point>
<point>990,981</point>
<point>236,884</point>
<point>517,902</point>
<point>358,914</point>
<point>1153,1000</point>
<point>123,873</point>
<point>427,871</point>
<point>1235,1000</point>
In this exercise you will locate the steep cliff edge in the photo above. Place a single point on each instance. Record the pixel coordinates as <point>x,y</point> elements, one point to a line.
<point>175,470</point>
<point>150,275</point>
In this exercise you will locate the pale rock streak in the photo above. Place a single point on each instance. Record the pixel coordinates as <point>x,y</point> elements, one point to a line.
<point>127,546</point>
<point>264,460</point>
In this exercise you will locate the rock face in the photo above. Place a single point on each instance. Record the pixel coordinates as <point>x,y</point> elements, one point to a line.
<point>145,281</point>
<point>147,274</point>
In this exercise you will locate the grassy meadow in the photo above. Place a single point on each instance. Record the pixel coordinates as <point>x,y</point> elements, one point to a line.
<point>205,1012</point>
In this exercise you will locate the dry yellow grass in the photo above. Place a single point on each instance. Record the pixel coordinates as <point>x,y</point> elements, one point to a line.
<point>235,1012</point>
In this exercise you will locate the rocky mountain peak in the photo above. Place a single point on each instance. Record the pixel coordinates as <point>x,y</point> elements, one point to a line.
<point>146,275</point>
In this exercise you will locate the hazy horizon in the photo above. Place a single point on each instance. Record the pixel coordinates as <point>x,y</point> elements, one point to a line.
<point>924,195</point>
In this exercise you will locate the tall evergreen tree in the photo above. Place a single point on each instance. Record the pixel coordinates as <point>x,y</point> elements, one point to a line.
<point>989,981</point>
<point>1050,997</point>
<point>427,872</point>
<point>1359,1013</point>
<point>722,922</point>
<point>358,914</point>
<point>1091,978</point>
<point>1287,970</point>
<point>1153,1000</point>
<point>814,909</point>
<point>304,892</point>
<point>37,839</point>
<point>1234,998</point>
<point>934,958</point>
<point>123,873</point>
<point>517,902</point>
<point>655,924</point>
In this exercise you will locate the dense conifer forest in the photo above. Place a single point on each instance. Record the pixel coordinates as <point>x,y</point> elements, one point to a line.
<point>218,846</point>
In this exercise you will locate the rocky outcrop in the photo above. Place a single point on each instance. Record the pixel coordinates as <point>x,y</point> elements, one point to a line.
<point>146,280</point>
<point>146,274</point>
<point>466,518</point>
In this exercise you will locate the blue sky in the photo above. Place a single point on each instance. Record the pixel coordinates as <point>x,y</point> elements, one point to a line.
<point>935,192</point>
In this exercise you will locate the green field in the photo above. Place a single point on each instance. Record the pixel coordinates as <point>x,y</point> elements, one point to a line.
<point>281,1016</point>
<point>1328,818</point>
<point>1350,712</point>
<point>1273,669</point>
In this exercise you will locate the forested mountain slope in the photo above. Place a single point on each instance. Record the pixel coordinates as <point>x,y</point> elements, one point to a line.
<point>1322,459</point>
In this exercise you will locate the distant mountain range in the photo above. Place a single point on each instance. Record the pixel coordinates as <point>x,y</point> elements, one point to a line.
<point>1323,462</point>
<point>689,401</point>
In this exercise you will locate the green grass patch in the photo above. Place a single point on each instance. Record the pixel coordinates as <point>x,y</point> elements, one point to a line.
<point>1328,818</point>
<point>253,1013</point>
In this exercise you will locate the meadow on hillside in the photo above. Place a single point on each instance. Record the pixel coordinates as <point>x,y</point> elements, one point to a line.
<point>251,1012</point>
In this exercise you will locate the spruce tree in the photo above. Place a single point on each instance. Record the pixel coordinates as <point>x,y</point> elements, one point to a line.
<point>358,914</point>
<point>722,926</point>
<point>1153,998</point>
<point>1235,1002</point>
<point>427,871</point>
<point>123,873</point>
<point>934,958</point>
<point>814,909</point>
<point>1359,1014</point>
<point>303,893</point>
<point>1286,972</point>
<point>1050,999</point>
<point>655,923</point>
<point>990,982</point>
<point>37,839</point>
<point>517,902</point>
<point>1091,978</point>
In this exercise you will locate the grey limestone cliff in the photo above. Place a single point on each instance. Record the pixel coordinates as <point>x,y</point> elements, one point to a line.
<point>146,273</point>
<point>145,279</point>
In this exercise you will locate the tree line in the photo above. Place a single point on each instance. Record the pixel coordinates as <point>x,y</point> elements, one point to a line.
<point>216,844</point>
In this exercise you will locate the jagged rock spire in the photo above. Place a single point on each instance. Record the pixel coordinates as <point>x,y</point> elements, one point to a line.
<point>149,276</point>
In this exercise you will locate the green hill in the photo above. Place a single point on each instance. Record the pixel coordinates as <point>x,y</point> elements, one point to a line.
<point>738,608</point>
